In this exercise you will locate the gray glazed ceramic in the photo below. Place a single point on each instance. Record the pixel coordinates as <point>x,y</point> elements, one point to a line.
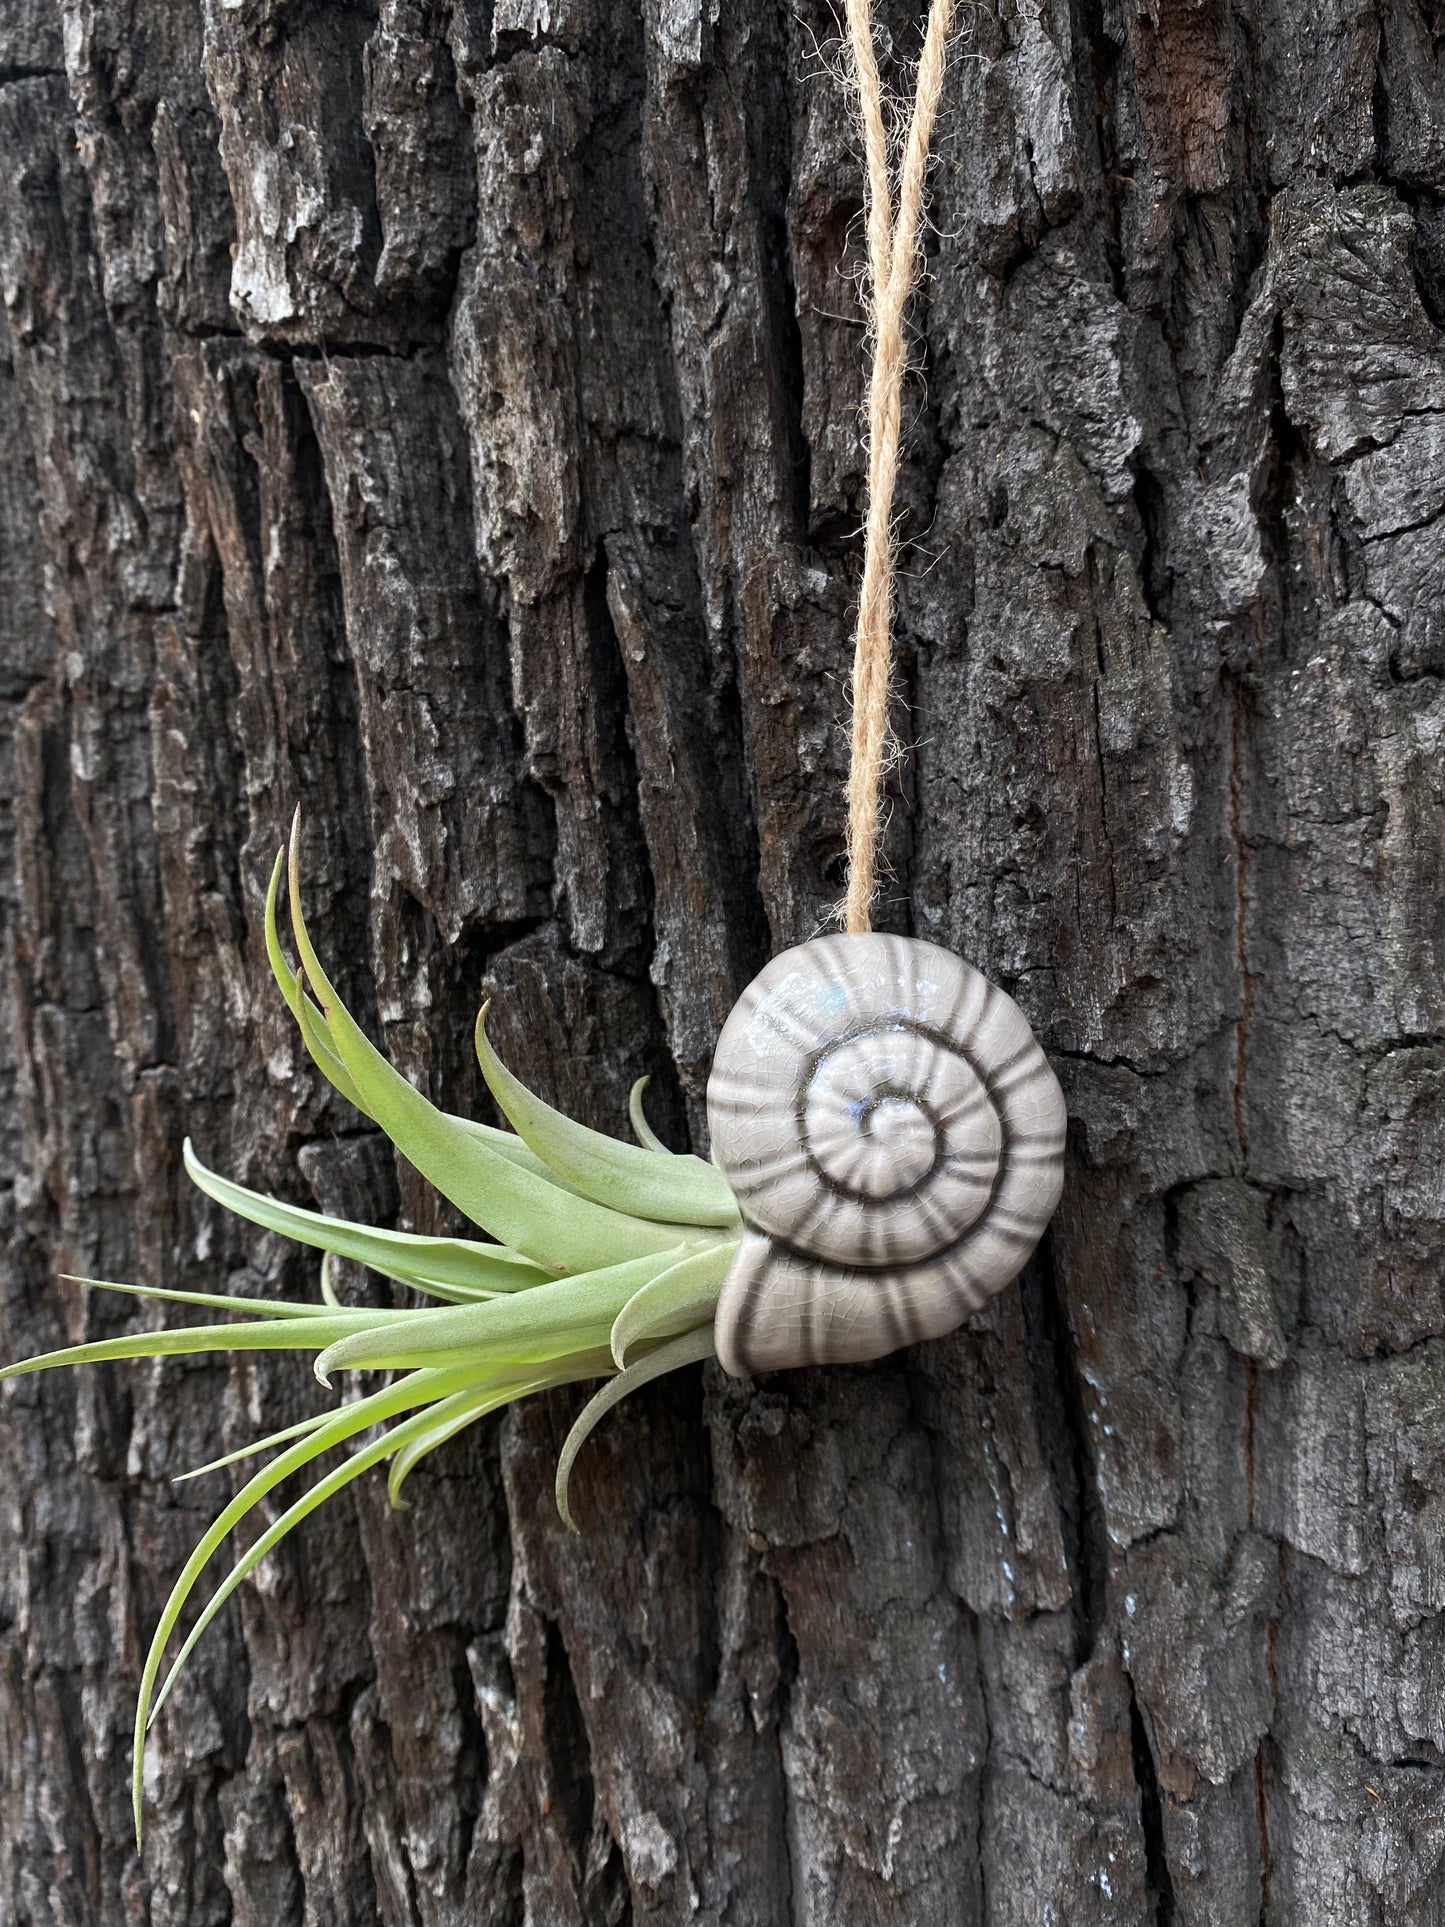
<point>895,1139</point>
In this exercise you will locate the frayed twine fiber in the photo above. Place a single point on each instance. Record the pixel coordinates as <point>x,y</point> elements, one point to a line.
<point>893,254</point>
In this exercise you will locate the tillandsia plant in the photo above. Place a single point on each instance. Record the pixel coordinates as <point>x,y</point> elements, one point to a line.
<point>608,1264</point>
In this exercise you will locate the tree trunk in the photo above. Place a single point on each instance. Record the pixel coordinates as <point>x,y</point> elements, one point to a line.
<point>448,419</point>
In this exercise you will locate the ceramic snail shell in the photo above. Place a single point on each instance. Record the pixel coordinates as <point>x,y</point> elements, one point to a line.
<point>894,1137</point>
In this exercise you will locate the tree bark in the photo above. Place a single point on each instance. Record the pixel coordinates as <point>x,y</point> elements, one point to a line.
<point>447,418</point>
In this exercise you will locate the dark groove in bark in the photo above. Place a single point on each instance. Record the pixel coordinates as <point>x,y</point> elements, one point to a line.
<point>1266,1863</point>
<point>1238,849</point>
<point>1151,1811</point>
<point>1065,1432</point>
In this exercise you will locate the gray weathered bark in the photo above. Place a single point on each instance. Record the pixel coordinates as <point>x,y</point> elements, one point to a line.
<point>447,418</point>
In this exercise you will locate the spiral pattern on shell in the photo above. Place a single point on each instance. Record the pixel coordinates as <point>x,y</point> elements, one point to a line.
<point>894,1137</point>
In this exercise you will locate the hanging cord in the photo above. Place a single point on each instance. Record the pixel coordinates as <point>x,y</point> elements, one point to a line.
<point>893,252</point>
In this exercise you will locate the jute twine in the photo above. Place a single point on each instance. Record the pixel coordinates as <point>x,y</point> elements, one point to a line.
<point>894,235</point>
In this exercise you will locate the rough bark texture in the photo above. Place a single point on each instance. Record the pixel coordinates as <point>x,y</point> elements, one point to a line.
<point>447,417</point>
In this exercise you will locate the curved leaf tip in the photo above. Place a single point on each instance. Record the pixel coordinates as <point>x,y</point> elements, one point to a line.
<point>690,1349</point>
<point>641,1129</point>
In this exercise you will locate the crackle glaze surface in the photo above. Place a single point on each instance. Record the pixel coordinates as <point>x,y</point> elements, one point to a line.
<point>895,1138</point>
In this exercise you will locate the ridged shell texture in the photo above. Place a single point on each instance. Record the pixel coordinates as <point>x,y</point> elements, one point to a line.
<point>895,1140</point>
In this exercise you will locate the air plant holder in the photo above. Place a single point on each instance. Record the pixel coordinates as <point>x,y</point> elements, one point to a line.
<point>888,1148</point>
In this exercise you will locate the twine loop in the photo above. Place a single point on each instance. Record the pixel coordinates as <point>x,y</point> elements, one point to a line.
<point>894,231</point>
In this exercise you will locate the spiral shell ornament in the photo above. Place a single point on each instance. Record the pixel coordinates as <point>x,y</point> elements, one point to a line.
<point>894,1137</point>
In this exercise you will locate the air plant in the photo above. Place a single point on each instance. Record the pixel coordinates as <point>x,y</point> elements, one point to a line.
<point>607,1265</point>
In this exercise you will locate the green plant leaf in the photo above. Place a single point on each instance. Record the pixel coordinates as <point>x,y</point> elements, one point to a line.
<point>463,1406</point>
<point>318,1045</point>
<point>579,1365</point>
<point>687,1350</point>
<point>265,1335</point>
<point>683,1298</point>
<point>549,1321</point>
<point>419,1388</point>
<point>456,1416</point>
<point>404,1255</point>
<point>329,1292</point>
<point>316,1036</point>
<point>316,1495</point>
<point>508,1145</point>
<point>211,1300</point>
<point>625,1177</point>
<point>642,1130</point>
<point>551,1225</point>
<point>254,1450</point>
<point>523,1210</point>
